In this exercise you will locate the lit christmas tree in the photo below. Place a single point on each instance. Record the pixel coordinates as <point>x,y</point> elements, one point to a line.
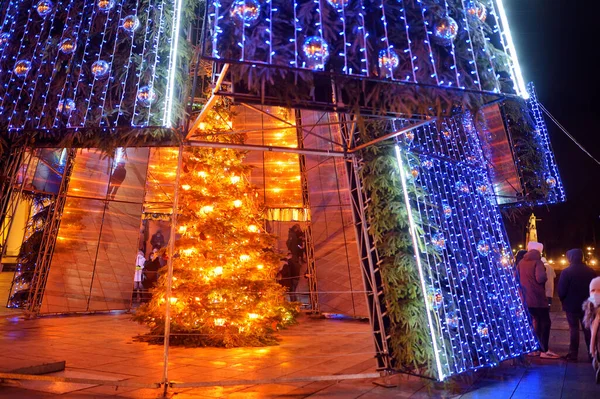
<point>224,291</point>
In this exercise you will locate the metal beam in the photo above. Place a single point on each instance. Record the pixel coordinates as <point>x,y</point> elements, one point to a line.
<point>391,135</point>
<point>210,103</point>
<point>267,148</point>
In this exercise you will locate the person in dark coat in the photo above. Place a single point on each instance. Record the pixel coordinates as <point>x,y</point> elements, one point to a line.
<point>158,240</point>
<point>519,256</point>
<point>116,179</point>
<point>151,268</point>
<point>295,242</point>
<point>532,276</point>
<point>573,291</point>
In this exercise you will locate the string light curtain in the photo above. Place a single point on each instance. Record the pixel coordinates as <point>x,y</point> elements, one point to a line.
<point>475,315</point>
<point>461,44</point>
<point>92,63</point>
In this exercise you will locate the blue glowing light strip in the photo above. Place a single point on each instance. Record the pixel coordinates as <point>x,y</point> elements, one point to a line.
<point>17,58</point>
<point>269,41</point>
<point>386,40</point>
<point>319,24</point>
<point>217,29</point>
<point>413,233</point>
<point>79,28</point>
<point>342,12</point>
<point>428,34</point>
<point>38,53</point>
<point>79,66</point>
<point>170,96</point>
<point>550,161</point>
<point>453,54</point>
<point>408,46</point>
<point>104,81</point>
<point>155,46</point>
<point>297,28</point>
<point>509,46</point>
<point>129,60</point>
<point>140,68</point>
<point>473,61</point>
<point>363,29</point>
<point>45,81</point>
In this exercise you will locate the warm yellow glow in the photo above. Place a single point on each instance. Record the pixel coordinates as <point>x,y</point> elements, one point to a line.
<point>202,174</point>
<point>276,189</point>
<point>237,203</point>
<point>182,229</point>
<point>252,316</point>
<point>244,258</point>
<point>188,251</point>
<point>234,179</point>
<point>202,126</point>
<point>260,267</point>
<point>219,322</point>
<point>173,300</point>
<point>563,262</point>
<point>253,228</point>
<point>207,209</point>
<point>186,187</point>
<point>218,271</point>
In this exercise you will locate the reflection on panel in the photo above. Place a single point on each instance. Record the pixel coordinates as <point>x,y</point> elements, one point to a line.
<point>90,175</point>
<point>160,187</point>
<point>71,270</point>
<point>128,174</point>
<point>115,263</point>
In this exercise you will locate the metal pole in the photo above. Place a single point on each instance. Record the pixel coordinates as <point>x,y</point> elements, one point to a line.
<point>267,148</point>
<point>170,273</point>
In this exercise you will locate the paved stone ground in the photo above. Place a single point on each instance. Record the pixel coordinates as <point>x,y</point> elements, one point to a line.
<point>102,347</point>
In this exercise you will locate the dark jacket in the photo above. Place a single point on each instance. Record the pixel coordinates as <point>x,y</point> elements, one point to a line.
<point>574,282</point>
<point>532,276</point>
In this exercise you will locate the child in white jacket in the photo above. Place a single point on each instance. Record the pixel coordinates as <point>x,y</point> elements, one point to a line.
<point>139,275</point>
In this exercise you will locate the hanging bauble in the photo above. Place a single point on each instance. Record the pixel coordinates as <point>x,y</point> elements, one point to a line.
<point>428,164</point>
<point>551,181</point>
<point>446,133</point>
<point>483,248</point>
<point>414,172</point>
<point>4,38</point>
<point>388,60</point>
<point>445,30</point>
<point>245,10</point>
<point>506,260</point>
<point>105,5</point>
<point>44,7</point>
<point>482,330</point>
<point>22,68</point>
<point>338,4</point>
<point>66,106</point>
<point>130,23</point>
<point>67,46</point>
<point>410,136</point>
<point>477,9</point>
<point>100,69</point>
<point>463,271</point>
<point>447,210</point>
<point>435,297</point>
<point>438,241</point>
<point>462,187</point>
<point>482,188</point>
<point>452,320</point>
<point>146,95</point>
<point>316,52</point>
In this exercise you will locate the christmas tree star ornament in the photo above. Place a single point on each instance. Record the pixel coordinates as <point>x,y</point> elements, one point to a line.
<point>67,46</point>
<point>44,8</point>
<point>316,52</point>
<point>247,11</point>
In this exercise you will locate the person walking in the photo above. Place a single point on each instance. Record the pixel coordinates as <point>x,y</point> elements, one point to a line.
<point>591,320</point>
<point>532,276</point>
<point>573,291</point>
<point>116,180</point>
<point>551,274</point>
<point>158,240</point>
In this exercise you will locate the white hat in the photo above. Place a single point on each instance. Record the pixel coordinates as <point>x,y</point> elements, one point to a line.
<point>595,284</point>
<point>535,245</point>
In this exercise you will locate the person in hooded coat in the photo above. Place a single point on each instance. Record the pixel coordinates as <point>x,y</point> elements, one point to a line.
<point>533,277</point>
<point>591,320</point>
<point>573,291</point>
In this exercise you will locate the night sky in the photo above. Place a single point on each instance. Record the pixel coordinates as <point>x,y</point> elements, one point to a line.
<point>555,40</point>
